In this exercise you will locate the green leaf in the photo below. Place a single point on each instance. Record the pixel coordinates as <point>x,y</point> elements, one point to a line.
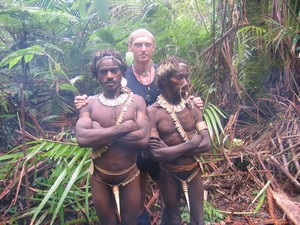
<point>102,9</point>
<point>14,61</point>
<point>217,118</point>
<point>68,87</point>
<point>210,116</point>
<point>54,187</point>
<point>28,58</point>
<point>16,56</point>
<point>36,149</point>
<point>209,125</point>
<point>106,36</point>
<point>70,184</point>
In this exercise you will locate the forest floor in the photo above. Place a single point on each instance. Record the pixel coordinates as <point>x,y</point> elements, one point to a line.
<point>240,202</point>
<point>235,197</point>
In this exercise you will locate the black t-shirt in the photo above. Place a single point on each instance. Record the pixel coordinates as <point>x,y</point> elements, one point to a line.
<point>150,96</point>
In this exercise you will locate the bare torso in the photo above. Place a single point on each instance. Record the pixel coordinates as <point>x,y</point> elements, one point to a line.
<point>168,132</point>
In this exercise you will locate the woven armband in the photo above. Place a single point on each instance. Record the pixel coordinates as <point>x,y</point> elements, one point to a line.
<point>201,126</point>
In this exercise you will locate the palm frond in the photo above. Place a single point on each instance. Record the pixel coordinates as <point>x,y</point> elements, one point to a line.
<point>212,118</point>
<point>68,163</point>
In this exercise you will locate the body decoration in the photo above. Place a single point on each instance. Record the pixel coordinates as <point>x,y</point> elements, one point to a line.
<point>178,168</point>
<point>104,58</point>
<point>115,187</point>
<point>114,173</point>
<point>98,153</point>
<point>184,183</point>
<point>201,126</point>
<point>171,110</point>
<point>113,102</point>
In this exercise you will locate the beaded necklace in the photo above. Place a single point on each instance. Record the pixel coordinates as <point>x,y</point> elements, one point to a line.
<point>113,102</point>
<point>170,108</point>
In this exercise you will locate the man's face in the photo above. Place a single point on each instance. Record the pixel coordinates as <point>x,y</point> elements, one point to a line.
<point>181,79</point>
<point>109,74</point>
<point>142,49</point>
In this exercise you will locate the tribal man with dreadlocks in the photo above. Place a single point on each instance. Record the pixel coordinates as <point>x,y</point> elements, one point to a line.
<point>115,124</point>
<point>178,135</point>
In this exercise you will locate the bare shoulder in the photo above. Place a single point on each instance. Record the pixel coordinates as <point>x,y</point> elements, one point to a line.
<point>137,98</point>
<point>197,112</point>
<point>153,111</point>
<point>89,106</point>
<point>154,107</point>
<point>93,98</point>
<point>139,101</point>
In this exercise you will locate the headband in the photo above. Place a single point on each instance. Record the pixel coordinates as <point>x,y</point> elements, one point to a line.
<point>106,57</point>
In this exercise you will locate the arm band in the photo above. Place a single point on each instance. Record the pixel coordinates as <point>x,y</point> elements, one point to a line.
<point>201,126</point>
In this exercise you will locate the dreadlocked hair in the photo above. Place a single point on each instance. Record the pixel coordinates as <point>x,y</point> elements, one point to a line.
<point>111,54</point>
<point>167,68</point>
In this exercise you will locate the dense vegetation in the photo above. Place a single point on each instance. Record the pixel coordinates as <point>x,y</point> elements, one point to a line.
<point>246,67</point>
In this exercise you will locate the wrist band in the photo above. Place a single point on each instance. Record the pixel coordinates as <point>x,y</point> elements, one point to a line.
<point>201,126</point>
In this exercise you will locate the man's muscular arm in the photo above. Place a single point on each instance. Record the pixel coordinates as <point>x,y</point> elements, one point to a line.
<point>91,134</point>
<point>140,136</point>
<point>159,149</point>
<point>205,144</point>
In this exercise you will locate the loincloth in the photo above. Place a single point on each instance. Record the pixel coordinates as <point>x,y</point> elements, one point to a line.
<point>115,187</point>
<point>182,168</point>
<point>116,173</point>
<point>172,169</point>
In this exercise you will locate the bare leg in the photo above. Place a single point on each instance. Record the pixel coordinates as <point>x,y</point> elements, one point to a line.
<point>143,216</point>
<point>196,200</point>
<point>102,196</point>
<point>130,202</point>
<point>171,193</point>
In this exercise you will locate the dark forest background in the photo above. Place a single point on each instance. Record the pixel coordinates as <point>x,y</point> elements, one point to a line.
<point>245,57</point>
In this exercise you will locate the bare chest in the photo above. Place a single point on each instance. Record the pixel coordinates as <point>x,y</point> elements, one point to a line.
<point>167,125</point>
<point>108,116</point>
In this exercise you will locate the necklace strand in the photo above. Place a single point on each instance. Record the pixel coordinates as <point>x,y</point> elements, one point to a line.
<point>143,73</point>
<point>136,71</point>
<point>113,102</point>
<point>169,107</point>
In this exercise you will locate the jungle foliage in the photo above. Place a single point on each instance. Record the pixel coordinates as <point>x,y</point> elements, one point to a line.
<point>243,53</point>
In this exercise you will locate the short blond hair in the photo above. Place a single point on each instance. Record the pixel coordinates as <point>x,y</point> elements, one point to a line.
<point>140,33</point>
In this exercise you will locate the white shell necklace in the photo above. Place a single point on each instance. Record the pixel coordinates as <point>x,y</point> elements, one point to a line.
<point>113,102</point>
<point>171,108</point>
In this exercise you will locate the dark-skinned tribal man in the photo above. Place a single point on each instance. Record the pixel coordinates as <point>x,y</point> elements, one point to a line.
<point>115,125</point>
<point>178,135</point>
